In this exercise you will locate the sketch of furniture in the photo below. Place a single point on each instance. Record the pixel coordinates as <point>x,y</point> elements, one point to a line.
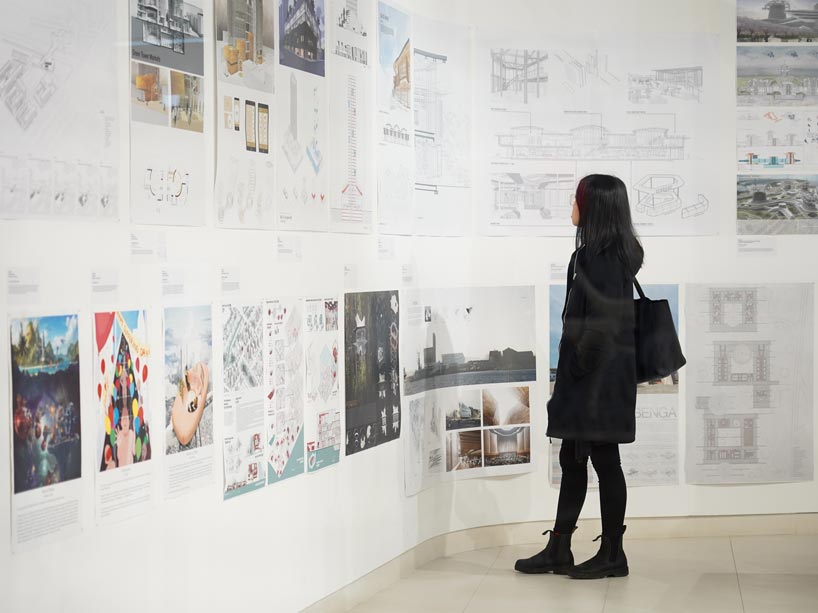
<point>590,142</point>
<point>518,73</point>
<point>700,207</point>
<point>290,145</point>
<point>680,83</point>
<point>515,193</point>
<point>658,194</point>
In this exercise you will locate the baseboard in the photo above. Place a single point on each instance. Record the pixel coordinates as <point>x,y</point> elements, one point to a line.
<point>518,534</point>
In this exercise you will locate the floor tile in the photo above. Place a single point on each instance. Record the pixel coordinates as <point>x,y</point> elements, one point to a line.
<point>778,592</point>
<point>785,554</point>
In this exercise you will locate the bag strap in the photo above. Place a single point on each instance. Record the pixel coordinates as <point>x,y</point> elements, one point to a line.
<point>638,288</point>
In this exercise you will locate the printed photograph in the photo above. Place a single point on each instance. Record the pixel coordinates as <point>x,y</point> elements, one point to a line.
<point>668,385</point>
<point>505,406</point>
<point>394,59</point>
<point>45,392</point>
<point>776,21</point>
<point>302,35</point>
<point>507,446</point>
<point>462,408</point>
<point>464,450</point>
<point>777,204</point>
<point>187,101</point>
<point>776,76</point>
<point>245,43</point>
<point>168,33</point>
<point>150,94</point>
<point>188,378</point>
<point>371,341</point>
<point>121,375</point>
<point>470,336</point>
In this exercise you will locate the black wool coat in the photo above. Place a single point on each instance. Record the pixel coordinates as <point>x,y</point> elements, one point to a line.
<point>594,396</point>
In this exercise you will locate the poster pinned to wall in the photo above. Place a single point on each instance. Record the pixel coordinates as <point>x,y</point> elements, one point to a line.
<point>302,117</point>
<point>469,367</point>
<point>654,458</point>
<point>188,391</point>
<point>396,159</point>
<point>442,98</point>
<point>322,415</point>
<point>284,388</point>
<point>168,106</point>
<point>351,36</point>
<point>644,112</point>
<point>245,469</point>
<point>59,154</point>
<point>245,123</point>
<point>749,409</point>
<point>371,341</point>
<point>46,436</point>
<point>122,381</point>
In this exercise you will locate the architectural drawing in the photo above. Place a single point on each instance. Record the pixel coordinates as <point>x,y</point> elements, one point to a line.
<point>664,84</point>
<point>302,180</point>
<point>777,204</point>
<point>352,189</point>
<point>284,375</point>
<point>776,76</point>
<point>168,33</point>
<point>242,346</point>
<point>302,35</point>
<point>518,75</point>
<point>584,69</point>
<point>590,142</point>
<point>167,186</point>
<point>750,396</point>
<point>546,195</point>
<point>245,43</point>
<point>60,144</point>
<point>662,194</point>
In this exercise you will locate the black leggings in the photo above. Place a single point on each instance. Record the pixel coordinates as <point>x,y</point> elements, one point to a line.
<point>612,489</point>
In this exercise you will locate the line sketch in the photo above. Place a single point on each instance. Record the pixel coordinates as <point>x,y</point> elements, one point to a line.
<point>548,195</point>
<point>518,75</point>
<point>666,83</point>
<point>660,194</point>
<point>290,145</point>
<point>585,71</point>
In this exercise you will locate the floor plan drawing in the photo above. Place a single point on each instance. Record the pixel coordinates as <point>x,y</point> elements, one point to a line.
<point>749,395</point>
<point>60,144</point>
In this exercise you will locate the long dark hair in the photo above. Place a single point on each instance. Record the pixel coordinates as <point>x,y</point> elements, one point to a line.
<point>605,220</point>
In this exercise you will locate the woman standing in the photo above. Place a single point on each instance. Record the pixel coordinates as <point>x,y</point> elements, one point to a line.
<point>592,408</point>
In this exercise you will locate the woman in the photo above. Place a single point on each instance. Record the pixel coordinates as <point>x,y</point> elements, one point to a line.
<point>592,408</point>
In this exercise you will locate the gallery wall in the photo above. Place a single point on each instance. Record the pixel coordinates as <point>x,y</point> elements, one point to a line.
<point>291,544</point>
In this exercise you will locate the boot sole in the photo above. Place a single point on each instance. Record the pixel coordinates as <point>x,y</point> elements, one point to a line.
<point>544,571</point>
<point>619,572</point>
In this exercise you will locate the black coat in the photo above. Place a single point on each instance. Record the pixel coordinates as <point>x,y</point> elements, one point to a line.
<point>594,395</point>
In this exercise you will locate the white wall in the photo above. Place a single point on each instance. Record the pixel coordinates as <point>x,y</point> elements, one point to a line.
<point>293,543</point>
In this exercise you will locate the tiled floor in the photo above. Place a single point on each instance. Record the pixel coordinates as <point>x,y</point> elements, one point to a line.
<point>720,574</point>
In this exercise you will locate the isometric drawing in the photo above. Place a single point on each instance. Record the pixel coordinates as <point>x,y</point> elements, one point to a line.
<point>290,145</point>
<point>658,194</point>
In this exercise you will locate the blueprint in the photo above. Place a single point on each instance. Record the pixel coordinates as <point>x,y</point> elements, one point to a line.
<point>750,384</point>
<point>555,113</point>
<point>58,110</point>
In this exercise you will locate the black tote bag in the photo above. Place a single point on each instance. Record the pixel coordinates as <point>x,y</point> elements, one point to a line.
<point>658,352</point>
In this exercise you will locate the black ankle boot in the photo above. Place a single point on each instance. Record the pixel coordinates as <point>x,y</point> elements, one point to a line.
<point>609,561</point>
<point>555,558</point>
